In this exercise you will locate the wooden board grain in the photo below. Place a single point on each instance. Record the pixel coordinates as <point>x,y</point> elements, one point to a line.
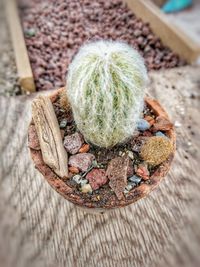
<point>25,75</point>
<point>39,228</point>
<point>171,35</point>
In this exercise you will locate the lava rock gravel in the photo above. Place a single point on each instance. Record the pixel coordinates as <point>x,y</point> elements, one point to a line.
<point>55,29</point>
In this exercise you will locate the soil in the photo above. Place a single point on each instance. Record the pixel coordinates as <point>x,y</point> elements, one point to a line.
<point>104,197</point>
<point>54,31</point>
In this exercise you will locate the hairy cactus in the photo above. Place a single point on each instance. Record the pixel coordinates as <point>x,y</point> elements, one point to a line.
<point>156,150</point>
<point>105,86</point>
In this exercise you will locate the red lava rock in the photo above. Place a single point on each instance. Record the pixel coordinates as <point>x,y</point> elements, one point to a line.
<point>81,161</point>
<point>33,141</point>
<point>85,148</point>
<point>162,124</point>
<point>117,174</point>
<point>73,143</point>
<point>142,171</point>
<point>73,170</point>
<point>97,178</point>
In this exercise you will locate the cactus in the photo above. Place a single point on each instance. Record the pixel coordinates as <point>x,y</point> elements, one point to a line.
<point>106,86</point>
<point>156,150</point>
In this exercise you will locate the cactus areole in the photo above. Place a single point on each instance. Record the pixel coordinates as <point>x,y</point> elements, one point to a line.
<point>106,86</point>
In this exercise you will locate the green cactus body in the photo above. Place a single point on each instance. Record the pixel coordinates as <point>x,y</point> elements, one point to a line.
<point>105,86</point>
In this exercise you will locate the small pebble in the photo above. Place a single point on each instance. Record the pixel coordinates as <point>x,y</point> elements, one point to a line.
<point>30,32</point>
<point>159,133</point>
<point>86,188</point>
<point>63,123</point>
<point>85,148</point>
<point>129,187</point>
<point>143,125</point>
<point>142,171</point>
<point>77,178</point>
<point>83,182</point>
<point>135,179</point>
<point>130,154</point>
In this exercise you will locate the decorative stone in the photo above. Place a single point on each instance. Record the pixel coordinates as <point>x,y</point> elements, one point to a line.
<point>73,169</point>
<point>63,123</point>
<point>162,124</point>
<point>117,174</point>
<point>143,171</point>
<point>97,178</point>
<point>84,181</point>
<point>143,125</point>
<point>85,148</point>
<point>156,150</point>
<point>73,143</point>
<point>86,188</point>
<point>77,178</point>
<point>160,134</point>
<point>130,154</point>
<point>135,179</point>
<point>82,161</point>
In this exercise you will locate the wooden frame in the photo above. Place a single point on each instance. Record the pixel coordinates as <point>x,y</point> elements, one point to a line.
<point>171,35</point>
<point>25,74</point>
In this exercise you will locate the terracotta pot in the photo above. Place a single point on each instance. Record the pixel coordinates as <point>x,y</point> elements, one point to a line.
<point>135,194</point>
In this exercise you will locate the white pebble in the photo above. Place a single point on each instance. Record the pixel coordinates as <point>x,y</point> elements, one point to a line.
<point>86,188</point>
<point>77,178</point>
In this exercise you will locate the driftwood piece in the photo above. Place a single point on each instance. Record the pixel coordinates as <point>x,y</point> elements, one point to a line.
<point>53,152</point>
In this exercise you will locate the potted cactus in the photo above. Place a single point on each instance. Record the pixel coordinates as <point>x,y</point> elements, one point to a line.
<point>100,142</point>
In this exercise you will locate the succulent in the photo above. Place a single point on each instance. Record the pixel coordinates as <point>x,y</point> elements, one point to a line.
<point>106,86</point>
<point>156,150</point>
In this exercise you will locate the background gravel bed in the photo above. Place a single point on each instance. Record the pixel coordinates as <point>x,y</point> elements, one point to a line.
<point>55,29</point>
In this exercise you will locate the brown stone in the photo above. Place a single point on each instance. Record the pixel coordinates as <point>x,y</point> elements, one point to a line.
<point>162,124</point>
<point>85,148</point>
<point>117,174</point>
<point>73,143</point>
<point>143,171</point>
<point>81,161</point>
<point>97,178</point>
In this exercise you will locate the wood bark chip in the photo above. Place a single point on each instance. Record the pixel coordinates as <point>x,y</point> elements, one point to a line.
<point>48,131</point>
<point>162,124</point>
<point>117,174</point>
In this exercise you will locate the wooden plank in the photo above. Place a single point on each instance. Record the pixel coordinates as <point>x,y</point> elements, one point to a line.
<point>171,35</point>
<point>39,228</point>
<point>25,74</point>
<point>49,135</point>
